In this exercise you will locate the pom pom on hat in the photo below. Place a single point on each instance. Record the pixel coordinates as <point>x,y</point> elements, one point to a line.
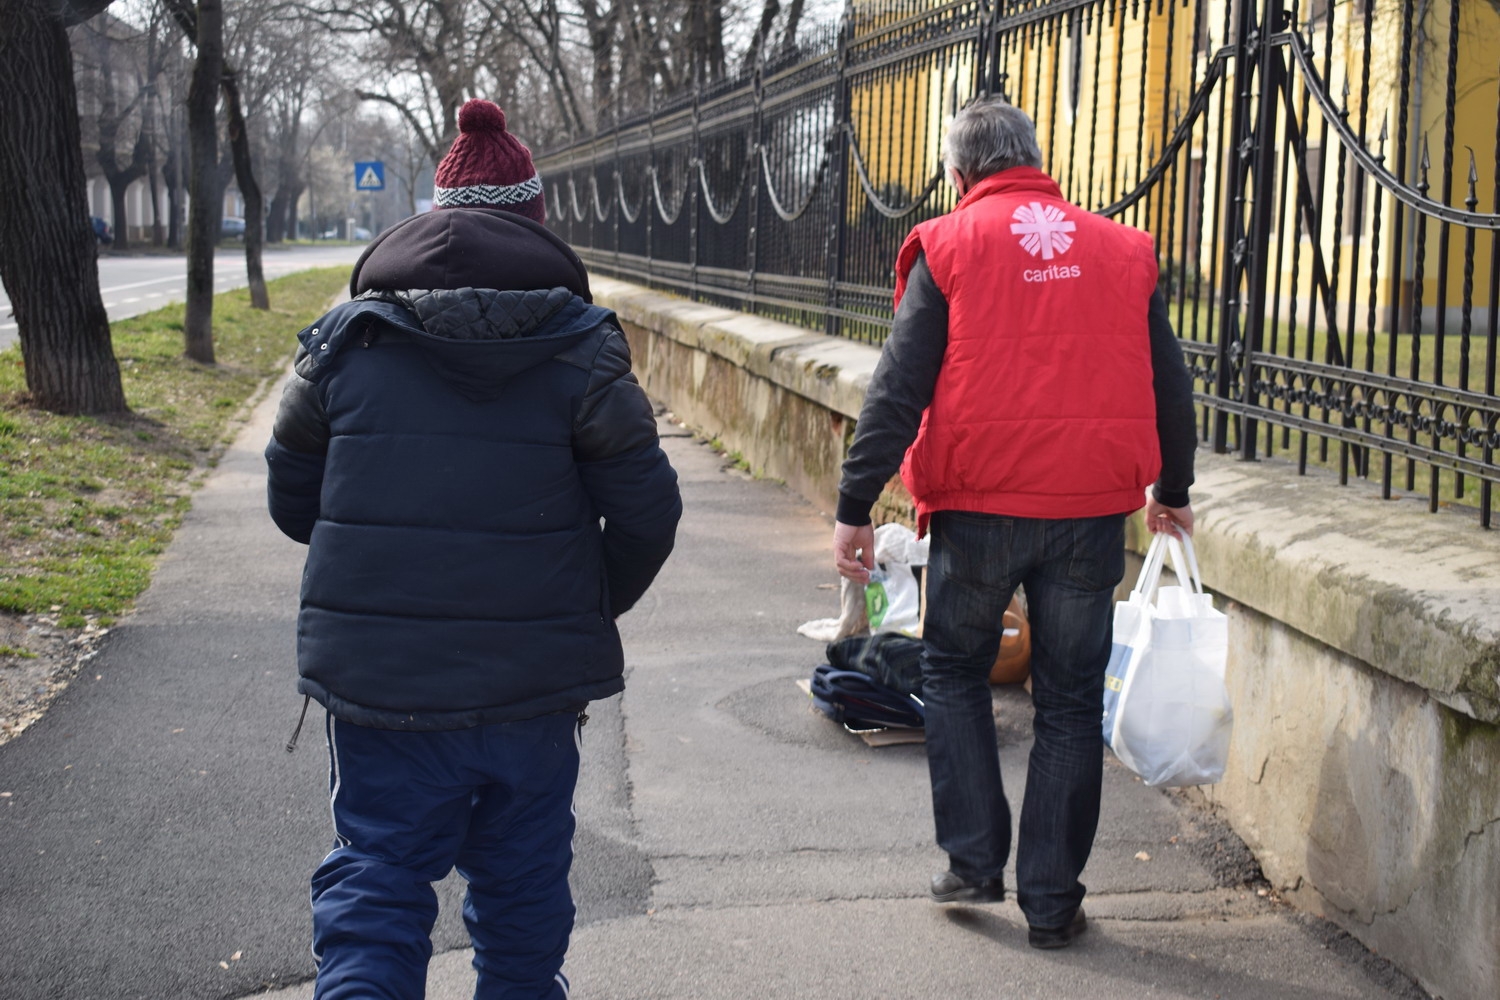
<point>481,116</point>
<point>487,167</point>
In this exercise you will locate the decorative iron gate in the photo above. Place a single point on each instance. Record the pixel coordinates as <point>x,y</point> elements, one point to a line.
<point>1313,177</point>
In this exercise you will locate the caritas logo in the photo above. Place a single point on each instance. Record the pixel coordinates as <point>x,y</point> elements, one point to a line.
<point>1044,233</point>
<point>1043,229</point>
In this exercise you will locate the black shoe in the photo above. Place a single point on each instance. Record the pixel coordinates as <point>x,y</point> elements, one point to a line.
<point>1058,937</point>
<point>950,888</point>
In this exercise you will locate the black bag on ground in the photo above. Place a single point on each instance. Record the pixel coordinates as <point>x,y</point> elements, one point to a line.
<point>889,658</point>
<point>860,703</point>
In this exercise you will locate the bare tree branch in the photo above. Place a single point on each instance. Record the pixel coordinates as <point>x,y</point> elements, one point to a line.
<point>432,149</point>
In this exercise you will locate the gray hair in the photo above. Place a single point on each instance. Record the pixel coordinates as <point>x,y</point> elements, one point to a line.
<point>989,136</point>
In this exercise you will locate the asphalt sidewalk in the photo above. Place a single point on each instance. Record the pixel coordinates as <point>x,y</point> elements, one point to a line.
<point>732,843</point>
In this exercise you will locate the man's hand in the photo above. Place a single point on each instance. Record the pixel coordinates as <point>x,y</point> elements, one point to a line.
<point>1160,517</point>
<point>854,550</point>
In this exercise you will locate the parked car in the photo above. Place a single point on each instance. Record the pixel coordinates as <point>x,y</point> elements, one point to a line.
<point>104,233</point>
<point>233,226</point>
<point>361,233</point>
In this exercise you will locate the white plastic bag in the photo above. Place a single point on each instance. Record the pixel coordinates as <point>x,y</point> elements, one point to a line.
<point>1166,709</point>
<point>893,599</point>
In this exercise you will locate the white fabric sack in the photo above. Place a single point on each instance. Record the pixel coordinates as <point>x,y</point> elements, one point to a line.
<point>852,619</point>
<point>896,543</point>
<point>1166,708</point>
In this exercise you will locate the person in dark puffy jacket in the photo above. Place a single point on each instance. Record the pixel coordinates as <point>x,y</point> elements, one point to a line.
<point>477,476</point>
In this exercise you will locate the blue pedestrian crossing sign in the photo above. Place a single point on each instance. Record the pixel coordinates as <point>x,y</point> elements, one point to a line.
<point>369,176</point>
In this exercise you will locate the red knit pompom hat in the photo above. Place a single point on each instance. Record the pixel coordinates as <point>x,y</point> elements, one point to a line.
<point>487,167</point>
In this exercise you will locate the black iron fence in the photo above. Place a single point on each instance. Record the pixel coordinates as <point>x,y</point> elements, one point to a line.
<point>1322,180</point>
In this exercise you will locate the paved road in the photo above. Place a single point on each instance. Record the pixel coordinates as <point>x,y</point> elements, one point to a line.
<point>732,845</point>
<point>133,285</point>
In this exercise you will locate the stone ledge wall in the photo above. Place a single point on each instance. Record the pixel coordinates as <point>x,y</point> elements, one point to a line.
<point>1365,642</point>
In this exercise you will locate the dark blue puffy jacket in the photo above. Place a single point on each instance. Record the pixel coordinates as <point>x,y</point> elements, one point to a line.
<point>449,456</point>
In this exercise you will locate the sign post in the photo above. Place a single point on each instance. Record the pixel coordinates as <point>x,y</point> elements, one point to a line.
<point>369,176</point>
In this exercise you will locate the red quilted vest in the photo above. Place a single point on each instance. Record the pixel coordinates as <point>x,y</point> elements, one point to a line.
<point>1043,407</point>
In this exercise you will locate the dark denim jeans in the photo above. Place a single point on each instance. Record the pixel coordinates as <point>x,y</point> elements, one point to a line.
<point>1070,569</point>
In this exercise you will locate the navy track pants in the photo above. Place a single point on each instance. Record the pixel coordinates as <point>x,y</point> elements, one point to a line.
<point>496,802</point>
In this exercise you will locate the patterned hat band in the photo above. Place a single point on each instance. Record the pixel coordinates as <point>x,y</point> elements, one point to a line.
<point>488,194</point>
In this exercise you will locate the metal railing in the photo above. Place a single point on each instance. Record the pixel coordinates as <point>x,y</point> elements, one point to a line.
<point>1313,177</point>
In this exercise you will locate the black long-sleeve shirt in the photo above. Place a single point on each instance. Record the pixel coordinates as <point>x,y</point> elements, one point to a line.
<point>904,380</point>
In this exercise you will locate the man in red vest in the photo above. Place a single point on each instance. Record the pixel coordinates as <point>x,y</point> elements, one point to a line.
<point>1034,386</point>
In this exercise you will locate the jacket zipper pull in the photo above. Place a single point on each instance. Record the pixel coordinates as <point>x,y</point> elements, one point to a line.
<point>583,720</point>
<point>291,744</point>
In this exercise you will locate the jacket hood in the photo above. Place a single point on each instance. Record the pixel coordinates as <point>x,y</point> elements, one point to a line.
<point>469,248</point>
<point>475,338</point>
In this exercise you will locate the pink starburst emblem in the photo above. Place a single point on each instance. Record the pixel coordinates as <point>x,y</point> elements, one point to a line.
<point>1043,229</point>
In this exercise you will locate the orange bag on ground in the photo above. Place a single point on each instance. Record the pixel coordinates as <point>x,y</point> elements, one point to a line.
<point>1013,665</point>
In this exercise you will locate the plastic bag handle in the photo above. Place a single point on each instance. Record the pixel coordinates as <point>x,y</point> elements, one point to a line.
<point>1181,545</point>
<point>1179,561</point>
<point>1192,556</point>
<point>1179,549</point>
<point>1151,567</point>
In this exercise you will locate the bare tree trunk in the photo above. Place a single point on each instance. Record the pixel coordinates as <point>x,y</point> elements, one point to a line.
<point>221,178</point>
<point>244,174</point>
<point>48,258</point>
<point>119,186</point>
<point>172,168</point>
<point>281,224</point>
<point>158,231</point>
<point>119,178</point>
<point>291,208</point>
<point>601,30</point>
<point>276,216</point>
<point>412,161</point>
<point>285,164</point>
<point>150,134</point>
<point>650,53</point>
<point>705,39</point>
<point>715,53</point>
<point>204,207</point>
<point>793,20</point>
<point>172,171</point>
<point>762,32</point>
<point>697,40</point>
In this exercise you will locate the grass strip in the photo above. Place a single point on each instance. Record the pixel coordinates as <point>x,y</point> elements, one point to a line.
<point>87,503</point>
